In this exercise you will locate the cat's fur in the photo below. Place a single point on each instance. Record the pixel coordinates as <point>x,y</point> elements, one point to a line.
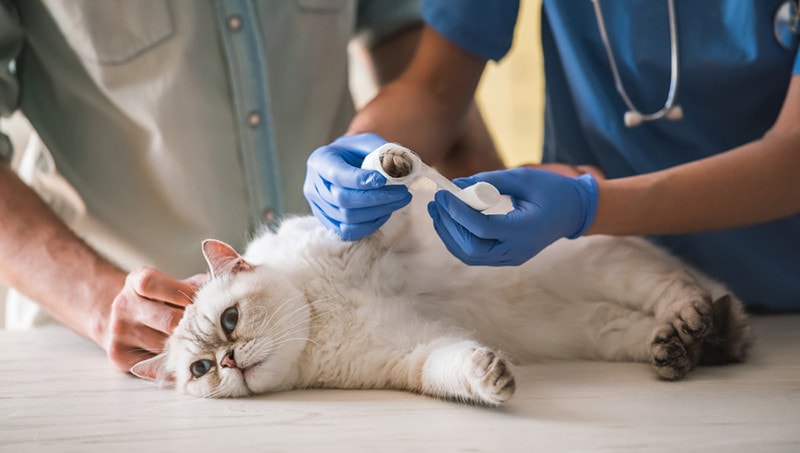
<point>396,310</point>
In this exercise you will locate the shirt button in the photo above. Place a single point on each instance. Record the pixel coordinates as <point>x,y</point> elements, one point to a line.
<point>254,119</point>
<point>234,23</point>
<point>268,215</point>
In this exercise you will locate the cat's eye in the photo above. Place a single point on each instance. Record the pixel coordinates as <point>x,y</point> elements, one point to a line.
<point>229,319</point>
<point>200,368</point>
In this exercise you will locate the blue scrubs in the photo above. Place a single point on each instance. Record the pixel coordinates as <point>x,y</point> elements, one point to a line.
<point>733,80</point>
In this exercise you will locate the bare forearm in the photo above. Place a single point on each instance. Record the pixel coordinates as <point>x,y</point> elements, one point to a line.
<point>427,107</point>
<point>754,183</point>
<point>43,259</point>
<point>474,151</point>
<point>750,184</point>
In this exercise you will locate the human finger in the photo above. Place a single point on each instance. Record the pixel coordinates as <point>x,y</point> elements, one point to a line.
<point>459,241</point>
<point>332,165</point>
<point>155,285</point>
<point>480,225</point>
<point>355,231</point>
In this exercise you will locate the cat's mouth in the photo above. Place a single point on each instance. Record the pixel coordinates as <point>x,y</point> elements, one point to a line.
<point>247,373</point>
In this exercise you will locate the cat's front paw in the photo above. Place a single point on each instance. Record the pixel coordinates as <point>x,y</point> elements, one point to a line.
<point>491,377</point>
<point>670,356</point>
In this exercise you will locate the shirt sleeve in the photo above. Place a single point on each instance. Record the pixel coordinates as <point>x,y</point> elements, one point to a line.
<point>796,67</point>
<point>380,19</point>
<point>482,27</point>
<point>11,38</point>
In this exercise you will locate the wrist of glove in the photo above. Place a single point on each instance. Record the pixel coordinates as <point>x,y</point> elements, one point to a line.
<point>547,207</point>
<point>347,199</point>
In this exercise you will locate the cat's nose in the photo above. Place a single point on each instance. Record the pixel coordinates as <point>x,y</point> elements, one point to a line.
<point>228,361</point>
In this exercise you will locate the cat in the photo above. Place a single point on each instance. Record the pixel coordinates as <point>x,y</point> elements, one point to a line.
<point>395,310</point>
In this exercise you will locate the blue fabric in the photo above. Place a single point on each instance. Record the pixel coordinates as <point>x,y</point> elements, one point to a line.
<point>733,80</point>
<point>484,28</point>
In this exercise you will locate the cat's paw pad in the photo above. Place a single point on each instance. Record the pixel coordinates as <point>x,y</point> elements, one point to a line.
<point>693,320</point>
<point>671,358</point>
<point>491,376</point>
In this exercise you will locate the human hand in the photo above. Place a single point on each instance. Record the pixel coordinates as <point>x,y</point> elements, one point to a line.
<point>547,207</point>
<point>346,199</point>
<point>144,314</point>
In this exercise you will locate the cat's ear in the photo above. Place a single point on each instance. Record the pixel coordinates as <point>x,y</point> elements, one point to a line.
<point>222,258</point>
<point>153,369</point>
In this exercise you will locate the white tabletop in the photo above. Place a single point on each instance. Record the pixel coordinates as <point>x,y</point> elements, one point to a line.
<point>58,393</point>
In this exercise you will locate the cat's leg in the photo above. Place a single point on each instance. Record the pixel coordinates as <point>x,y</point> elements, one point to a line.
<point>685,316</point>
<point>696,320</point>
<point>462,370</point>
<point>694,328</point>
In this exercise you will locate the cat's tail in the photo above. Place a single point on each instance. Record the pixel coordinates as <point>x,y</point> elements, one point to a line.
<point>731,335</point>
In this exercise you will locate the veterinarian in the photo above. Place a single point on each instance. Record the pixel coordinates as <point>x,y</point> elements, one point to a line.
<point>688,114</point>
<point>160,124</point>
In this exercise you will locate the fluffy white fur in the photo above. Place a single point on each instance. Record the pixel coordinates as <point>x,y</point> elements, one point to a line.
<point>396,310</point>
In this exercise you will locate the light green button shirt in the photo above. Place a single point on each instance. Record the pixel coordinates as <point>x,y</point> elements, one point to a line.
<point>165,122</point>
<point>181,120</point>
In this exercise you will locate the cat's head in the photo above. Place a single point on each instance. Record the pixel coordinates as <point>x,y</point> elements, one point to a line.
<point>242,335</point>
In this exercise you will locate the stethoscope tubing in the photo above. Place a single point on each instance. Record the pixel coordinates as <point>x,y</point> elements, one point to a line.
<point>786,25</point>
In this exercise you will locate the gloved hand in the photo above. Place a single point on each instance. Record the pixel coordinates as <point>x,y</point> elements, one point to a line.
<point>346,199</point>
<point>547,207</point>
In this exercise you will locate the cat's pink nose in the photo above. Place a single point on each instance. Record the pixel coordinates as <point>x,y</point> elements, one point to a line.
<point>228,361</point>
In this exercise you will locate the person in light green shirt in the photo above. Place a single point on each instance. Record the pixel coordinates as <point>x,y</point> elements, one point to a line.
<point>160,123</point>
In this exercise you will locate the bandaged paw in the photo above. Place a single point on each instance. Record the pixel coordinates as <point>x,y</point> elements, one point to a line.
<point>400,165</point>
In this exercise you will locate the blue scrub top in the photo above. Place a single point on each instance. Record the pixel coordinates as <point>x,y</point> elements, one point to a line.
<point>733,78</point>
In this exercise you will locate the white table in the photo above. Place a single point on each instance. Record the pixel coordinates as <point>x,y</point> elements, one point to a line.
<point>58,393</point>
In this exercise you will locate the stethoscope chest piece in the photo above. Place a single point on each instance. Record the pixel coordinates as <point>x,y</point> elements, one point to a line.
<point>786,24</point>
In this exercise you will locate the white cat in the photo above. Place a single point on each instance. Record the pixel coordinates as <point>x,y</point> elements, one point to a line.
<point>303,309</point>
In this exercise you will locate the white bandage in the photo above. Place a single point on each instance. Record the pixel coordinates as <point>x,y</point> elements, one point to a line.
<point>480,196</point>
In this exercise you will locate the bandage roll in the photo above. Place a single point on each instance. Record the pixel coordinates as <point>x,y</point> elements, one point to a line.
<point>406,166</point>
<point>480,196</point>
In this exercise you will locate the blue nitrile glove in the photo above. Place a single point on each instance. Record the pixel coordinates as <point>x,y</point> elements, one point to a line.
<point>547,207</point>
<point>346,199</point>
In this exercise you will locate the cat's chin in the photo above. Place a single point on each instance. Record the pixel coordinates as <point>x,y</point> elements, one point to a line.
<point>263,378</point>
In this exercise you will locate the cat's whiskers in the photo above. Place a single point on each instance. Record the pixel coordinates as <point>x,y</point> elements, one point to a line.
<point>258,314</point>
<point>269,328</point>
<point>277,310</point>
<point>276,336</point>
<point>277,344</point>
<point>308,306</point>
<point>284,331</point>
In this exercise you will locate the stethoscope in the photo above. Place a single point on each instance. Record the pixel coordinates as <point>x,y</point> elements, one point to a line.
<point>786,21</point>
<point>785,24</point>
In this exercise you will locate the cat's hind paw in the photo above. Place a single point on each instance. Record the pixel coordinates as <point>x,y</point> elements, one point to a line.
<point>670,357</point>
<point>693,320</point>
<point>491,378</point>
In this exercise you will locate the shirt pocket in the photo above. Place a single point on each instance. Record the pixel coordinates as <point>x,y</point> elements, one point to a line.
<point>322,6</point>
<point>112,32</point>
